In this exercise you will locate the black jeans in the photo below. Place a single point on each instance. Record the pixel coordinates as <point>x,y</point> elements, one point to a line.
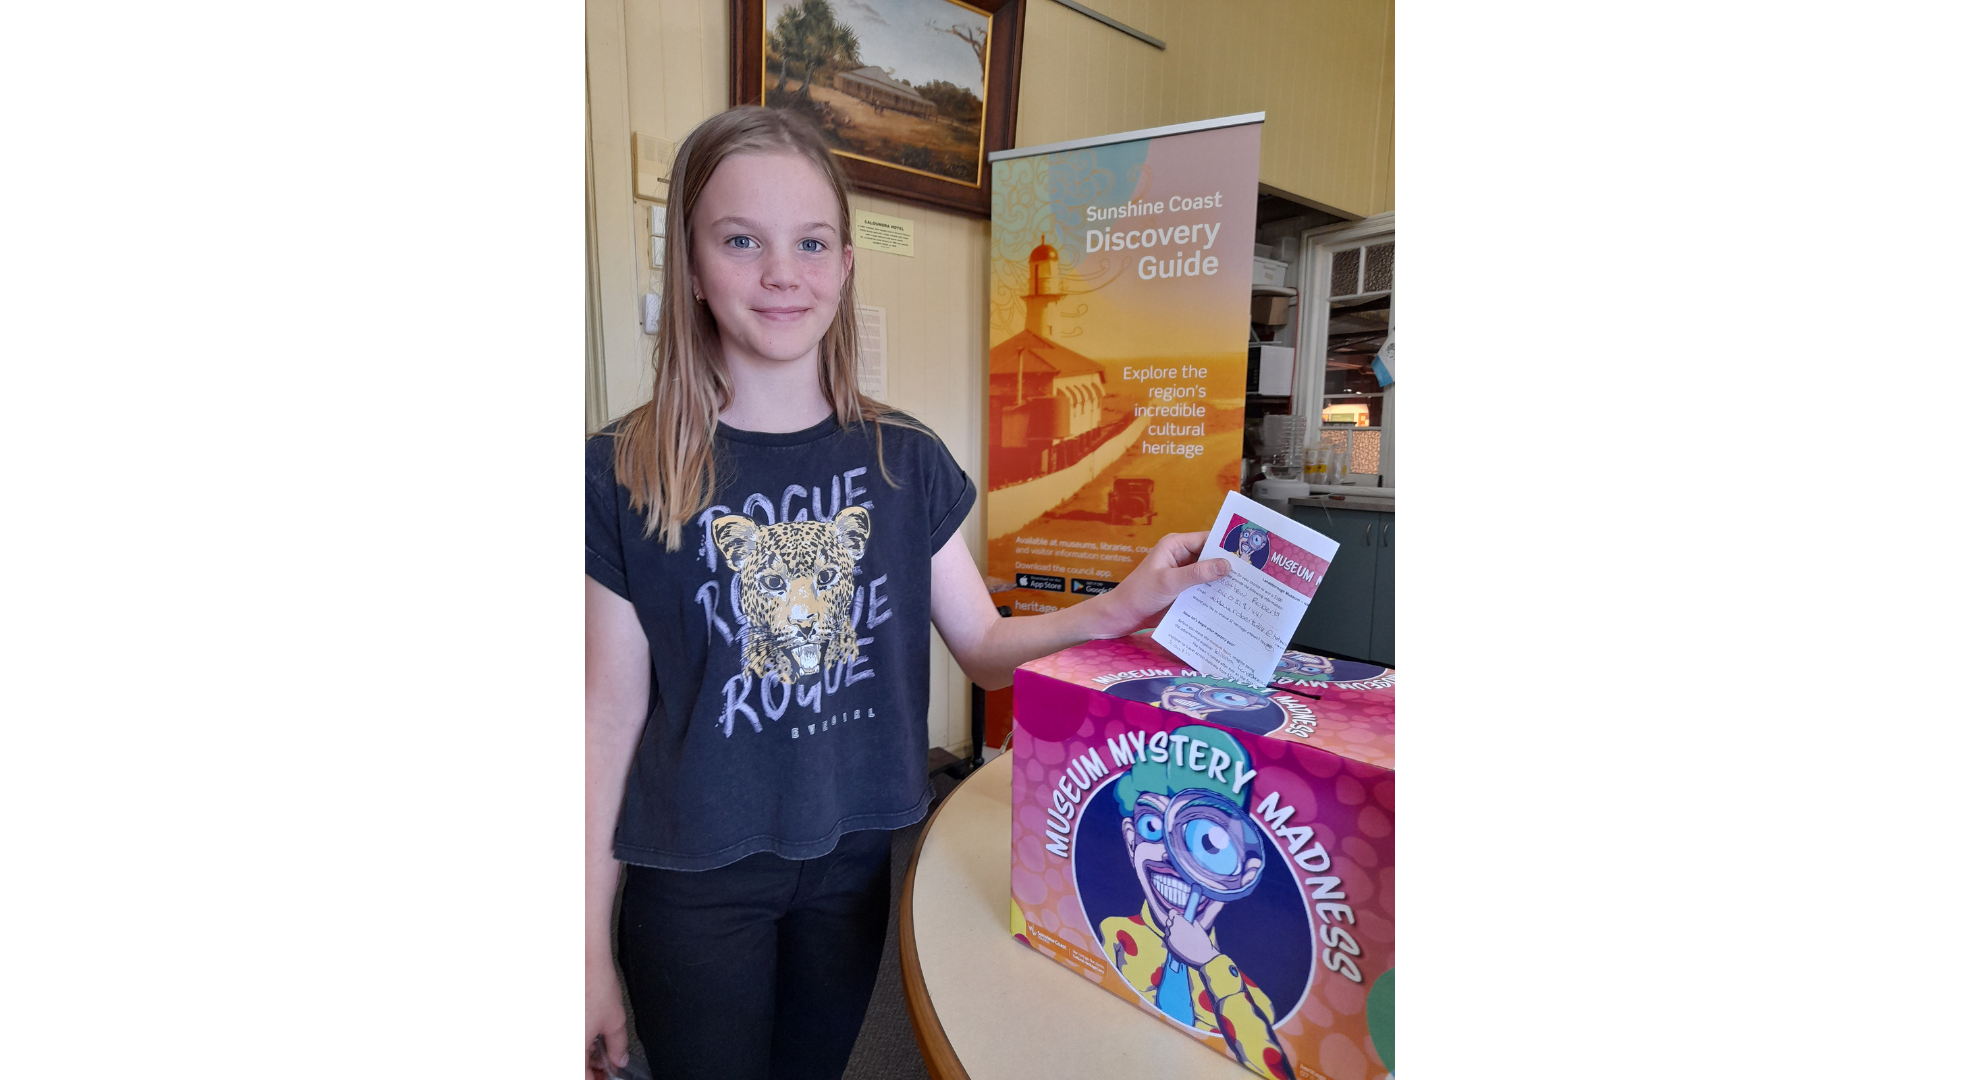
<point>759,968</point>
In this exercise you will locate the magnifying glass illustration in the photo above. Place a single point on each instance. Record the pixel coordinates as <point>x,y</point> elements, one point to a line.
<point>1214,847</point>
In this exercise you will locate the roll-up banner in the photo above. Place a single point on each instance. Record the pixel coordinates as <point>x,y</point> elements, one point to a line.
<point>1120,291</point>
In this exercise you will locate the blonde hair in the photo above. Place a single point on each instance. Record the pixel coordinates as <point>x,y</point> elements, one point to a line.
<point>664,452</point>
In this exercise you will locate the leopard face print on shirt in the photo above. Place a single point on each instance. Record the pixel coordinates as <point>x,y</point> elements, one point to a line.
<point>796,587</point>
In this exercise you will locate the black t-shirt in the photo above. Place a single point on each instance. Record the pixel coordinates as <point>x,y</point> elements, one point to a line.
<point>789,637</point>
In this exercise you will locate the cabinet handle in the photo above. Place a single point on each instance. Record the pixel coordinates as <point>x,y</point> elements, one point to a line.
<point>1367,534</point>
<point>1385,536</point>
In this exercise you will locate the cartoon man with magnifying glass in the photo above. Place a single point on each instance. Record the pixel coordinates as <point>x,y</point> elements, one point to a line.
<point>1194,849</point>
<point>1200,697</point>
<point>1249,540</point>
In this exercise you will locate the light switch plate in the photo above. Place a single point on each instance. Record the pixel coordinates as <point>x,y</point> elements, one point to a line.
<point>653,163</point>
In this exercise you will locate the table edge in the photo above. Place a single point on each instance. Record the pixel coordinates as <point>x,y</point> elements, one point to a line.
<point>936,1052</point>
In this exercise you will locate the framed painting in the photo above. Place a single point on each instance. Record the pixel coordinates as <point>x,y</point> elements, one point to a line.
<point>912,95</point>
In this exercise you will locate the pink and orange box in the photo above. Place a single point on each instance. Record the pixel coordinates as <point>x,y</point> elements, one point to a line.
<point>1221,856</point>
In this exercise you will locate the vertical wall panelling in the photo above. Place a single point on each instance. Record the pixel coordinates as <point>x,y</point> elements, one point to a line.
<point>619,232</point>
<point>1382,175</point>
<point>663,99</point>
<point>1319,70</point>
<point>715,43</point>
<point>937,335</point>
<point>681,42</point>
<point>595,411</point>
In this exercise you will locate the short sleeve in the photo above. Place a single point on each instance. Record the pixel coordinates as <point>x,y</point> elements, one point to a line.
<point>604,547</point>
<point>951,494</point>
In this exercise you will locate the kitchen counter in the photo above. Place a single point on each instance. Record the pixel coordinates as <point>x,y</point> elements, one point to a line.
<point>1347,502</point>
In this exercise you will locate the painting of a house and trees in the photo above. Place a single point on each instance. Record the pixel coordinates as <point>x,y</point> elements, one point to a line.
<point>897,82</point>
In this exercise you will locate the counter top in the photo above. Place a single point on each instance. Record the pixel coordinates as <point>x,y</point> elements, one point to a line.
<point>1347,502</point>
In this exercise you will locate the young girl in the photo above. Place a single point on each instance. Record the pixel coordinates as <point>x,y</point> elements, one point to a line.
<point>765,550</point>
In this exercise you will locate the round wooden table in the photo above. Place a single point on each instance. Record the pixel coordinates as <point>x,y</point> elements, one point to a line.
<point>986,1007</point>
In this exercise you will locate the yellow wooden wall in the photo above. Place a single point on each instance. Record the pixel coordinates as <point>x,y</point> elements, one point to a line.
<point>938,323</point>
<point>1322,71</point>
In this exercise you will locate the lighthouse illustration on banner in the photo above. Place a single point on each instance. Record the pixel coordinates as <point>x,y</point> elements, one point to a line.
<point>1045,398</point>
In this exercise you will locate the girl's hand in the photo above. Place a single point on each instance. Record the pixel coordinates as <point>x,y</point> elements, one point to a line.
<point>604,1021</point>
<point>988,647</point>
<point>1142,599</point>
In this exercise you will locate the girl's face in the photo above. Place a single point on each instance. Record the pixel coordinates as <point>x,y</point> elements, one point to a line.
<point>768,257</point>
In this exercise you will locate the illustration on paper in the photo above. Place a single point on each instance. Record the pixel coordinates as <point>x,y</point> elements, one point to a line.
<point>1248,541</point>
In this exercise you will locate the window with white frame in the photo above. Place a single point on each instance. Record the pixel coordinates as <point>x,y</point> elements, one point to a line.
<point>1350,410</point>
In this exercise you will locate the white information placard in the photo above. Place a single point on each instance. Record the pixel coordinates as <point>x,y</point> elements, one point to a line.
<point>1238,626</point>
<point>871,325</point>
<point>878,232</point>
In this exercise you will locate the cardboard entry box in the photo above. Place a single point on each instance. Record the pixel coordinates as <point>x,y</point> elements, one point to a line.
<point>1219,855</point>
